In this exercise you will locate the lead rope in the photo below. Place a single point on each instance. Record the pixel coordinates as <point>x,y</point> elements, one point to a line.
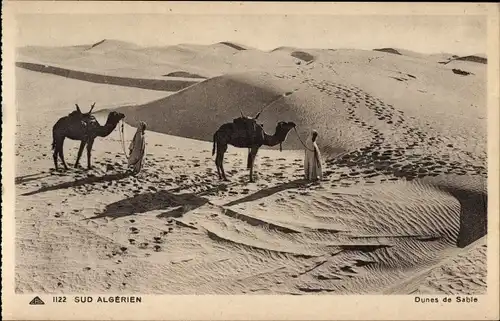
<point>302,142</point>
<point>122,139</point>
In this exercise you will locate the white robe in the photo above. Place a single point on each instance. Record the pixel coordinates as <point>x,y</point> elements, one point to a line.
<point>137,149</point>
<point>312,160</point>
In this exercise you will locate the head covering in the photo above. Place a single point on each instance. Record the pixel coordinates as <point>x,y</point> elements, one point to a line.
<point>143,125</point>
<point>309,142</point>
<point>314,135</point>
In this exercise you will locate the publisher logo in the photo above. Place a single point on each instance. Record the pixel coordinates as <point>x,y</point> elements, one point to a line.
<point>37,301</point>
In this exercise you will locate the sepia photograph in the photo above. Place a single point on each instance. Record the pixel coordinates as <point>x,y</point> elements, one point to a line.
<point>245,153</point>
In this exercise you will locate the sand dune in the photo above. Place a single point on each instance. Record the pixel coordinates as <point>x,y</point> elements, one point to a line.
<point>402,207</point>
<point>481,59</point>
<point>324,99</point>
<point>183,74</point>
<point>234,45</point>
<point>151,84</point>
<point>106,45</point>
<point>117,58</point>
<point>389,50</point>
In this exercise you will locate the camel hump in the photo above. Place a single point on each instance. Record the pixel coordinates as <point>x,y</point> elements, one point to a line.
<point>75,113</point>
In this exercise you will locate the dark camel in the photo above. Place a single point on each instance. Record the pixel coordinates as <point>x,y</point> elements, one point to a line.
<point>244,132</point>
<point>83,127</point>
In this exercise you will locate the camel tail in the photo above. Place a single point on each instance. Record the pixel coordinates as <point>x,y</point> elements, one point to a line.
<point>214,146</point>
<point>54,130</point>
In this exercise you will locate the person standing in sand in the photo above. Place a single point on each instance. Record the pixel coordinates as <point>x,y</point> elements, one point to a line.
<point>312,161</point>
<point>137,149</point>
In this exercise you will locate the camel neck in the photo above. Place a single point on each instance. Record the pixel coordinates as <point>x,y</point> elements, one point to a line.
<point>278,137</point>
<point>105,130</point>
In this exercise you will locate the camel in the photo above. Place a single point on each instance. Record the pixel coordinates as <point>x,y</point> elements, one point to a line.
<point>83,127</point>
<point>244,132</point>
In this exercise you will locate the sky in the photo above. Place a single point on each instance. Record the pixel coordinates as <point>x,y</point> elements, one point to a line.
<point>427,34</point>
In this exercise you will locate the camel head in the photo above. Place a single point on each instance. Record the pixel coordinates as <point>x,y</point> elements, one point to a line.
<point>285,126</point>
<point>282,129</point>
<point>114,117</point>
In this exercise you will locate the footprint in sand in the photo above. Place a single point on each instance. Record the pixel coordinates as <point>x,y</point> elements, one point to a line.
<point>143,245</point>
<point>134,230</point>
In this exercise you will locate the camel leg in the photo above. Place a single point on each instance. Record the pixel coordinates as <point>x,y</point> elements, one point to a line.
<point>90,143</point>
<point>54,155</point>
<point>217,162</point>
<point>249,159</point>
<point>221,150</point>
<point>252,155</point>
<point>223,172</point>
<point>61,155</point>
<point>80,151</point>
<point>60,150</point>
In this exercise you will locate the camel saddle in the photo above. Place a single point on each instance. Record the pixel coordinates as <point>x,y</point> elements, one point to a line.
<point>84,118</point>
<point>249,129</point>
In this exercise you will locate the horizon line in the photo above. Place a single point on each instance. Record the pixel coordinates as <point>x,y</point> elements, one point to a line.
<point>243,46</point>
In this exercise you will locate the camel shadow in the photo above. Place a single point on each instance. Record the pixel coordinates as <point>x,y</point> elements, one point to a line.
<point>80,182</point>
<point>176,205</point>
<point>270,191</point>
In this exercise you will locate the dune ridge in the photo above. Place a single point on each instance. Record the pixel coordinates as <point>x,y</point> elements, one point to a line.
<point>472,58</point>
<point>183,74</point>
<point>150,84</point>
<point>233,45</point>
<point>389,50</point>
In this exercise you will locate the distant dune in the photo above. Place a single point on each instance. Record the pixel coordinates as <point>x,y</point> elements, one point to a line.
<point>472,58</point>
<point>233,45</point>
<point>151,84</point>
<point>283,48</point>
<point>302,55</point>
<point>115,57</point>
<point>183,74</point>
<point>107,45</point>
<point>388,50</point>
<point>442,58</point>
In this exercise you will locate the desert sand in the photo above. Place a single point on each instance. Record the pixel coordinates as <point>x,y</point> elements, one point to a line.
<point>401,209</point>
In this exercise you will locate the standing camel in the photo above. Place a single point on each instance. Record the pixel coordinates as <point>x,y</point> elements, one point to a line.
<point>243,135</point>
<point>82,127</point>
